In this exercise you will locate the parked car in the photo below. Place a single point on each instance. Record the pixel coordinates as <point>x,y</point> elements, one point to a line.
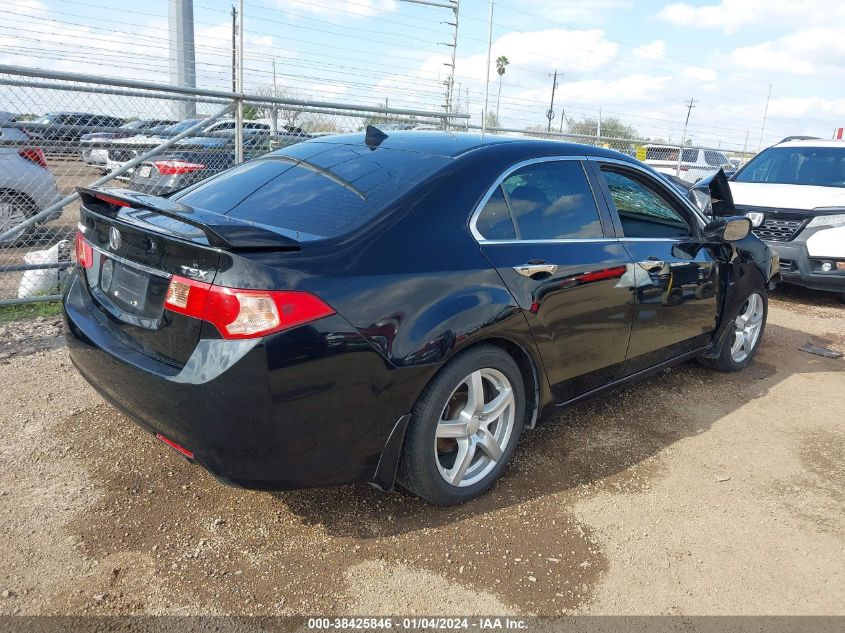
<point>192,160</point>
<point>126,149</point>
<point>94,146</point>
<point>60,132</point>
<point>26,185</point>
<point>696,162</point>
<point>376,306</point>
<point>794,192</point>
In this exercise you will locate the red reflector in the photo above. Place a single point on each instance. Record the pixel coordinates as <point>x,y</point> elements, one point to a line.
<point>84,252</point>
<point>115,201</point>
<point>34,155</point>
<point>171,167</point>
<point>239,314</point>
<point>173,444</point>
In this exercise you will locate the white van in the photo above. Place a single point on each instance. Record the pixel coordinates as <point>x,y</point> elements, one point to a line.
<point>696,162</point>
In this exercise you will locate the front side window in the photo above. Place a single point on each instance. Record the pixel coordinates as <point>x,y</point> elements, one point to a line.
<point>716,159</point>
<point>690,156</point>
<point>548,200</point>
<point>642,211</point>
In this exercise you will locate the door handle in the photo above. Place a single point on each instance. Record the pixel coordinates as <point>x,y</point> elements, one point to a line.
<point>536,268</point>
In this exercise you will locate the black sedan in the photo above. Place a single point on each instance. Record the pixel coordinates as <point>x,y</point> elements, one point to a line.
<point>400,307</point>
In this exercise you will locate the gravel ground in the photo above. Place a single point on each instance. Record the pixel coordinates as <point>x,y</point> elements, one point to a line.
<point>694,492</point>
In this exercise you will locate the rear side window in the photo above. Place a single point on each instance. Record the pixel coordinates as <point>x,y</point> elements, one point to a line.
<point>314,189</point>
<point>552,200</point>
<point>494,222</point>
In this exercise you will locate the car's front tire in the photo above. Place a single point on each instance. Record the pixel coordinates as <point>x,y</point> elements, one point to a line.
<point>464,427</point>
<point>749,323</point>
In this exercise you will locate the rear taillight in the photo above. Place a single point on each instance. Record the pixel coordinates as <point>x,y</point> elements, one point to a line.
<point>84,252</point>
<point>239,314</point>
<point>33,155</point>
<point>172,167</point>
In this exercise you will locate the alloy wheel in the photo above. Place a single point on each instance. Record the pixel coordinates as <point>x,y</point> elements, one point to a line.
<point>748,325</point>
<point>475,427</point>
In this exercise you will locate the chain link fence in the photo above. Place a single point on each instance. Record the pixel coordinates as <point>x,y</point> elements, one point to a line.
<point>60,131</point>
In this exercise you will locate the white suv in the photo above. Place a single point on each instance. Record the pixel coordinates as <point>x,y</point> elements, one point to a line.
<point>696,162</point>
<point>794,193</point>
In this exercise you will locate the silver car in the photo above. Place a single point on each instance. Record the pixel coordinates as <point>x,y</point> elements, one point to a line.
<point>26,185</point>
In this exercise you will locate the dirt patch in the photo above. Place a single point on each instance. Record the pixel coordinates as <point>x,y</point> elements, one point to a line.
<point>692,492</point>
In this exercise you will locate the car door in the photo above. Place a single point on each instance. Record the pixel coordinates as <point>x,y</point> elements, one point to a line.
<point>542,229</point>
<point>676,303</point>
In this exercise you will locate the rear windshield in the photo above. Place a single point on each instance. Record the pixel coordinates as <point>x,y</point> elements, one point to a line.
<point>819,166</point>
<point>314,189</point>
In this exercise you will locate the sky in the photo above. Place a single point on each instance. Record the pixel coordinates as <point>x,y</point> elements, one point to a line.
<point>640,61</point>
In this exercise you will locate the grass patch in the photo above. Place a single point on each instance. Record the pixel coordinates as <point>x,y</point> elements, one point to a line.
<point>29,311</point>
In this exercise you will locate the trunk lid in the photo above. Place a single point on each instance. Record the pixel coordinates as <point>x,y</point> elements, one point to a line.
<point>139,242</point>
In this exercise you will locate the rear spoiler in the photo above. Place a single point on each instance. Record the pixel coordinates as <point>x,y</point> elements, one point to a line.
<point>220,231</point>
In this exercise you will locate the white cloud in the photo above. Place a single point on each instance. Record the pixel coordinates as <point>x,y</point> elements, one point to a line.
<point>571,11</point>
<point>733,15</point>
<point>651,50</point>
<point>336,8</point>
<point>803,107</point>
<point>809,52</point>
<point>700,74</point>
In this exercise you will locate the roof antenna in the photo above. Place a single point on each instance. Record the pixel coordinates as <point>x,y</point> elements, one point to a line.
<point>374,137</point>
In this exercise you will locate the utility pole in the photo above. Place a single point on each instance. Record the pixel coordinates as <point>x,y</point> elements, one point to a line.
<point>765,116</point>
<point>487,78</point>
<point>690,105</point>
<point>745,146</point>
<point>183,70</point>
<point>550,115</point>
<point>234,49</point>
<point>454,6</point>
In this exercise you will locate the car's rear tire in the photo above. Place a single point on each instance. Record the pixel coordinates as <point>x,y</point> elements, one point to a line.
<point>15,207</point>
<point>464,427</point>
<point>749,324</point>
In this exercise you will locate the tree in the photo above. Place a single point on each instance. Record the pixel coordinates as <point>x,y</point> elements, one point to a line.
<point>611,127</point>
<point>501,63</point>
<point>492,120</point>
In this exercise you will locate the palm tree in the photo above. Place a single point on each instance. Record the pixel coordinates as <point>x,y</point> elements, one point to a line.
<point>501,62</point>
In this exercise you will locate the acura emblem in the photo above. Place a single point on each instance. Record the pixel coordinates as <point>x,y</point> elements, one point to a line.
<point>756,218</point>
<point>114,238</point>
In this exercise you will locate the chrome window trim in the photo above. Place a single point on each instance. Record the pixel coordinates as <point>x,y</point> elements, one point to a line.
<point>130,263</point>
<point>642,168</point>
<point>562,240</point>
<point>481,204</point>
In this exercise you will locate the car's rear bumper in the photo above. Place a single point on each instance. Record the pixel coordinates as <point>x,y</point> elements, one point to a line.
<point>797,267</point>
<point>306,407</point>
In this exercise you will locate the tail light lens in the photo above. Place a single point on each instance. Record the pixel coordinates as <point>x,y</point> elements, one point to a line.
<point>84,252</point>
<point>240,314</point>
<point>172,167</point>
<point>34,155</point>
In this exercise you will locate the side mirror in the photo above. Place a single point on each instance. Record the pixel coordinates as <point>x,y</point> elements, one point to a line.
<point>713,195</point>
<point>731,229</point>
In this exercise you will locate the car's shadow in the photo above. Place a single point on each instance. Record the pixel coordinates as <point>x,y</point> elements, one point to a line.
<point>592,444</point>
